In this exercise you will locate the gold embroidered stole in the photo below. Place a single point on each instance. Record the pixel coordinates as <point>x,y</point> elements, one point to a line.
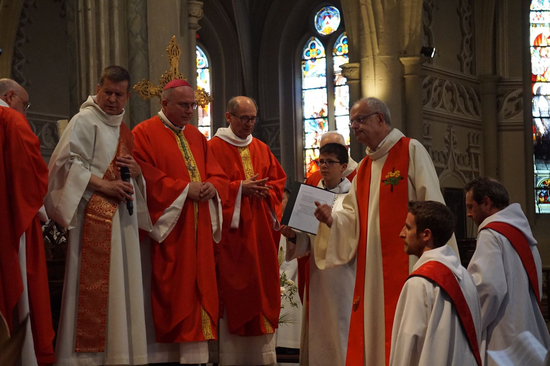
<point>248,168</point>
<point>93,289</point>
<point>194,175</point>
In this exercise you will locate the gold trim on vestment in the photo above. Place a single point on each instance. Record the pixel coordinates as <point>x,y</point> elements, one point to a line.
<point>244,152</point>
<point>93,288</point>
<point>206,325</point>
<point>268,327</point>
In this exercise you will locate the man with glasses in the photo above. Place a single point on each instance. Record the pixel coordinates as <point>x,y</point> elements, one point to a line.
<point>23,185</point>
<point>185,188</point>
<point>396,170</point>
<point>102,314</point>
<point>325,324</point>
<point>248,258</point>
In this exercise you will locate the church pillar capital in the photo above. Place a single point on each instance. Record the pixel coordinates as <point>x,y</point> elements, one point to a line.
<point>351,71</point>
<point>195,14</point>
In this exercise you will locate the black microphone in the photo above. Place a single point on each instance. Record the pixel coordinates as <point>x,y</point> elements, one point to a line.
<point>125,175</point>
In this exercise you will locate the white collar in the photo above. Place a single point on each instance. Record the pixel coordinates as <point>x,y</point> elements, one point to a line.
<point>227,135</point>
<point>169,124</point>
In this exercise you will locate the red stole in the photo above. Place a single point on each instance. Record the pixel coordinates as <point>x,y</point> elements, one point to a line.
<point>395,263</point>
<point>519,243</point>
<point>445,278</point>
<point>93,290</point>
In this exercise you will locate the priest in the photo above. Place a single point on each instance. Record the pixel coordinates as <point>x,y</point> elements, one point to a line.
<point>185,189</point>
<point>396,170</point>
<point>102,318</point>
<point>248,260</point>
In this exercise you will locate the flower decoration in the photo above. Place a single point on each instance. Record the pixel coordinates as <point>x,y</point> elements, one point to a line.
<point>288,290</point>
<point>392,178</point>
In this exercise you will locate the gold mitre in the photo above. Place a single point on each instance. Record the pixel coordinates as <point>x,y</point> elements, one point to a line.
<point>146,89</point>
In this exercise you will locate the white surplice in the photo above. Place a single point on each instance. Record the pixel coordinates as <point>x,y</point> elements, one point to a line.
<point>508,305</point>
<point>325,331</point>
<point>87,147</point>
<point>427,329</point>
<point>338,245</point>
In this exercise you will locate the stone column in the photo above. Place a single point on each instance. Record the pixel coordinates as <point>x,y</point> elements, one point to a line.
<point>352,72</point>
<point>489,125</point>
<point>194,15</point>
<point>138,58</point>
<point>412,122</point>
<point>98,38</point>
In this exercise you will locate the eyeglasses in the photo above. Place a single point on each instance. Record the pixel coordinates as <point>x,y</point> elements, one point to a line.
<point>246,119</point>
<point>26,104</point>
<point>360,119</point>
<point>328,163</point>
<point>185,105</point>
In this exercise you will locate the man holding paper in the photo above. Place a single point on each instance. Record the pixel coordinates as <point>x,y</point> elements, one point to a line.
<point>396,170</point>
<point>325,324</point>
<point>248,257</point>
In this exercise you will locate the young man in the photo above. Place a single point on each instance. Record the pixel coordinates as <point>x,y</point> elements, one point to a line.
<point>438,317</point>
<point>506,268</point>
<point>325,334</point>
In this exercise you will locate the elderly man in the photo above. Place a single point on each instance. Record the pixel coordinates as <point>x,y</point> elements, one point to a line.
<point>248,264</point>
<point>438,318</point>
<point>185,186</point>
<point>102,314</point>
<point>23,185</point>
<point>506,268</point>
<point>396,169</point>
<point>328,138</point>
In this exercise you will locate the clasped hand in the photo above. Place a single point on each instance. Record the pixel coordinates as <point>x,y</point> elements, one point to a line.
<point>201,191</point>
<point>255,187</point>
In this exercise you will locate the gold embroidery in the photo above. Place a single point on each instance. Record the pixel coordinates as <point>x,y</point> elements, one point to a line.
<point>93,288</point>
<point>192,168</point>
<point>247,162</point>
<point>206,325</point>
<point>268,327</point>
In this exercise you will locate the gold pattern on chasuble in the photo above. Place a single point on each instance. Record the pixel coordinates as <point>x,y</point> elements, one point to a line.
<point>268,327</point>
<point>244,152</point>
<point>93,290</point>
<point>192,168</point>
<point>206,325</point>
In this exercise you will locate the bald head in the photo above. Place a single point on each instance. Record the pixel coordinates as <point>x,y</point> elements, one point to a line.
<point>241,115</point>
<point>14,95</point>
<point>332,137</point>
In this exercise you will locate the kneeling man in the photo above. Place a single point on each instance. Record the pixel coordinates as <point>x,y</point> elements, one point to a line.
<point>438,316</point>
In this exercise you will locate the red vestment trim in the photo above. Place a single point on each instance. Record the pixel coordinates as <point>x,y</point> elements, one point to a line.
<point>445,278</point>
<point>93,289</point>
<point>395,262</point>
<point>519,243</point>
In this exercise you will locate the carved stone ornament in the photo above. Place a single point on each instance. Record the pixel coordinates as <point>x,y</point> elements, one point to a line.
<point>351,71</point>
<point>195,14</point>
<point>452,97</point>
<point>146,90</point>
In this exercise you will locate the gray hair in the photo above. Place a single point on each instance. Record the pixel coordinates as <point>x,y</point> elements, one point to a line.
<point>376,105</point>
<point>342,140</point>
<point>8,84</point>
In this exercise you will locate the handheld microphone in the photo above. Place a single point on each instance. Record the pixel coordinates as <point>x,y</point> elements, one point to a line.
<point>125,176</point>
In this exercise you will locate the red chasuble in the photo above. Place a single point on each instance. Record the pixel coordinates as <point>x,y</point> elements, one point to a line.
<point>519,243</point>
<point>183,285</point>
<point>248,260</point>
<point>395,263</point>
<point>23,186</point>
<point>440,274</point>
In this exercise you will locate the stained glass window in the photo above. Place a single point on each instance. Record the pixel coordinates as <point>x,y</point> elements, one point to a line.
<point>540,81</point>
<point>325,95</point>
<point>204,82</point>
<point>327,20</point>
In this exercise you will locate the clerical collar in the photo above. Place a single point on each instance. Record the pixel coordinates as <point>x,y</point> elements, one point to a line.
<point>169,124</point>
<point>226,134</point>
<point>4,104</point>
<point>335,189</point>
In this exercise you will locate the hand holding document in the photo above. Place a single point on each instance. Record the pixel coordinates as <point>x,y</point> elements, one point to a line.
<point>300,210</point>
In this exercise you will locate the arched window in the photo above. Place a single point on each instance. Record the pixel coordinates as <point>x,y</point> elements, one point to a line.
<point>540,79</point>
<point>204,82</point>
<point>325,95</point>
